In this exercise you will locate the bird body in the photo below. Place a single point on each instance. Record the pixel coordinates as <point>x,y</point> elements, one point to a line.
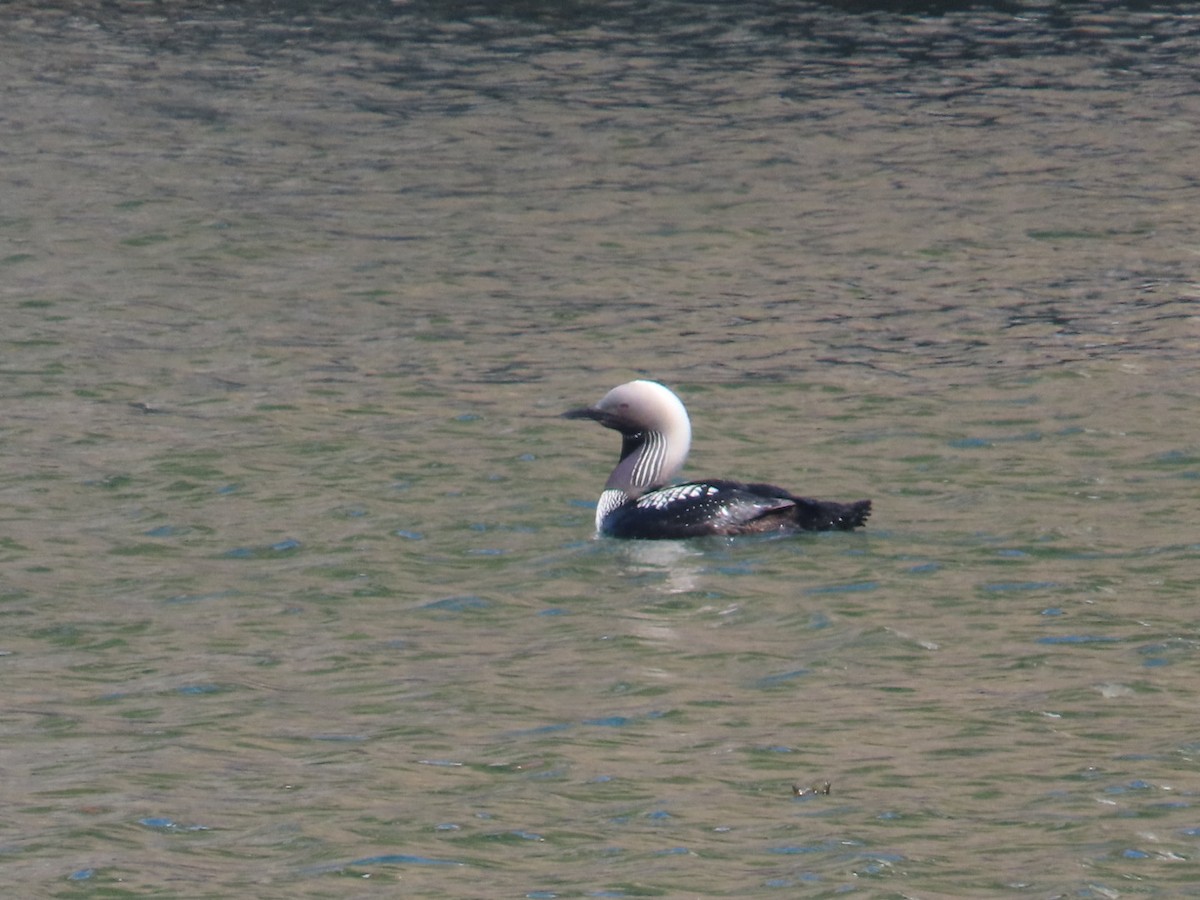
<point>639,500</point>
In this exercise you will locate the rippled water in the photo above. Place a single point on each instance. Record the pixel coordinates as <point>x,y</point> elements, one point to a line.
<point>299,588</point>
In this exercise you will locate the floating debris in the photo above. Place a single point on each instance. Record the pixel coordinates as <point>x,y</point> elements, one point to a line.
<point>149,409</point>
<point>812,791</point>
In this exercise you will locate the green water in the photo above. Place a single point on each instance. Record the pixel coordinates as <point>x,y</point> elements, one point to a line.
<point>299,585</point>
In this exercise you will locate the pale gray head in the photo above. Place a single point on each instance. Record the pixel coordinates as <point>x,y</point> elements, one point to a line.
<point>655,429</point>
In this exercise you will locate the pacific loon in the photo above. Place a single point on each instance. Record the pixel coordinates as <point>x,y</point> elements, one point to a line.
<point>640,502</point>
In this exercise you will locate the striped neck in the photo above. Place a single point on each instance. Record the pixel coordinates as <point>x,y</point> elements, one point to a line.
<point>647,461</point>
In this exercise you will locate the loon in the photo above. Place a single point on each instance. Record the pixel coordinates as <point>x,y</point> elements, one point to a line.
<point>640,502</point>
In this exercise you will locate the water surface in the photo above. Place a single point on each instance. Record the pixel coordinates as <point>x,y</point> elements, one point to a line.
<point>299,583</point>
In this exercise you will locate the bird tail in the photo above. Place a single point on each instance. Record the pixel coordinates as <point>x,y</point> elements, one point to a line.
<point>816,515</point>
<point>828,515</point>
